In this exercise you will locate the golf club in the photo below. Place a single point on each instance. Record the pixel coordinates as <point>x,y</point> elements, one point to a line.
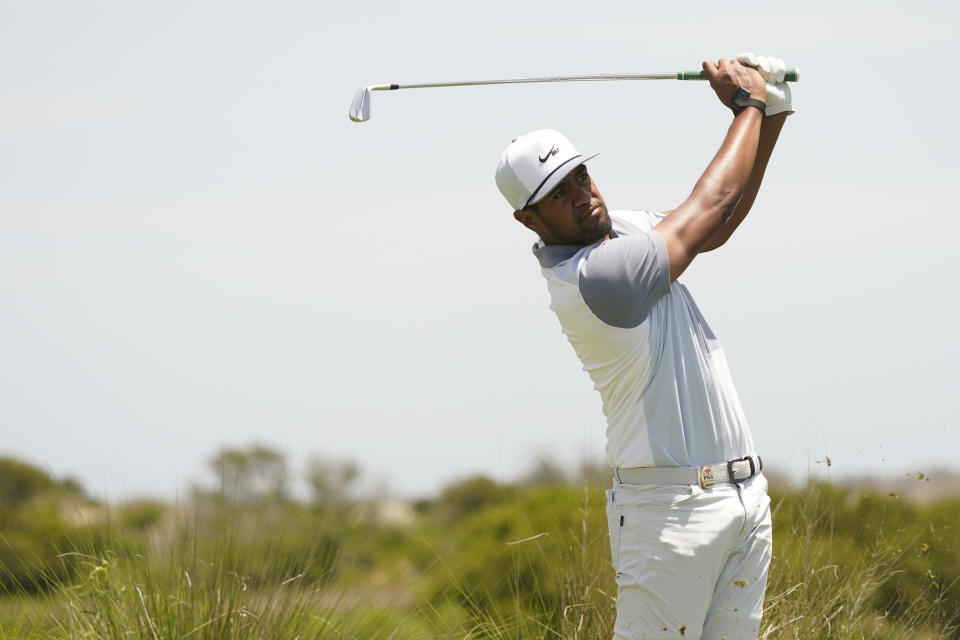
<point>360,109</point>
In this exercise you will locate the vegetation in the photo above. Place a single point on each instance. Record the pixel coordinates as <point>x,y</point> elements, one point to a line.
<point>478,561</point>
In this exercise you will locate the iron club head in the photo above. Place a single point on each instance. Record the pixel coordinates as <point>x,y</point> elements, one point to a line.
<point>360,109</point>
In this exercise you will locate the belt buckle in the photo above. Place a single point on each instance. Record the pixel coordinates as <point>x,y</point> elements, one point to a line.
<point>706,477</point>
<point>753,469</point>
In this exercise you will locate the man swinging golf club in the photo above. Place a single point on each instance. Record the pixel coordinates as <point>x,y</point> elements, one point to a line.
<point>689,516</point>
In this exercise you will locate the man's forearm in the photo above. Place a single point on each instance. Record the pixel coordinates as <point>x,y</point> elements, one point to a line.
<point>716,194</point>
<point>769,133</point>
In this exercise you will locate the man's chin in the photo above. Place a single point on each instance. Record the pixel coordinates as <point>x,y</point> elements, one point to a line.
<point>598,232</point>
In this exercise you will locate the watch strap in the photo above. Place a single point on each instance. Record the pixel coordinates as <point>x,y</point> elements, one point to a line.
<point>742,100</point>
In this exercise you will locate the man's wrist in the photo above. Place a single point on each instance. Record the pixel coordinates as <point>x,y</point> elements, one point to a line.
<point>742,100</point>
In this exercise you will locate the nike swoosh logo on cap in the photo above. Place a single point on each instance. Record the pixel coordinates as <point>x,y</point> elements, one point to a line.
<point>553,151</point>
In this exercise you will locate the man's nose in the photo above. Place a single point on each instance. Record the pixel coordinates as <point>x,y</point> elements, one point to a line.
<point>582,194</point>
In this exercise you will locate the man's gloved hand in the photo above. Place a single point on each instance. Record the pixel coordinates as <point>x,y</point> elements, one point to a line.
<point>779,98</point>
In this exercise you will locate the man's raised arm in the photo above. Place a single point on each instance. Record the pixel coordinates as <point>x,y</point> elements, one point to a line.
<point>779,106</point>
<point>714,199</point>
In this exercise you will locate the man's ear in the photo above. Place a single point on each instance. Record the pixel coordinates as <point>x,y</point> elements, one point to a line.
<point>526,218</point>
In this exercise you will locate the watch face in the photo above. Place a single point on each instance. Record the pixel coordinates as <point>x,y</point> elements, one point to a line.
<point>742,100</point>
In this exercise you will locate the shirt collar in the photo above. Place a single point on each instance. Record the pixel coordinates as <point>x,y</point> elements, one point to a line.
<point>550,255</point>
<point>553,254</point>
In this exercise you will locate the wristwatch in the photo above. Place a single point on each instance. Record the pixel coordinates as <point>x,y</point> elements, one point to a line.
<point>742,100</point>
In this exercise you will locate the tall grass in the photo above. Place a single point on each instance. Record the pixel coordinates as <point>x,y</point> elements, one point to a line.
<point>821,586</point>
<point>525,568</point>
<point>219,576</point>
<point>560,581</point>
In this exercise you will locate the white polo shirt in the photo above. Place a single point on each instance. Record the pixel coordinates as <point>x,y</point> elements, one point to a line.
<point>661,373</point>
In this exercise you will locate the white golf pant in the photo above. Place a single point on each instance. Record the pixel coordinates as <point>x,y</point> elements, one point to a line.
<point>690,562</point>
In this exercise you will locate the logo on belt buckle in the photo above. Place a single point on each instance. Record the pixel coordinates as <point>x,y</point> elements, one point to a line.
<point>707,478</point>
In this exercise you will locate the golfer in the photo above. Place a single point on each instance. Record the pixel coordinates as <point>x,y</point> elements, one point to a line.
<point>689,516</point>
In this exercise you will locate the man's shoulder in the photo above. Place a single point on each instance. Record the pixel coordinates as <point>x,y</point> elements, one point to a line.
<point>625,222</point>
<point>623,278</point>
<point>630,222</point>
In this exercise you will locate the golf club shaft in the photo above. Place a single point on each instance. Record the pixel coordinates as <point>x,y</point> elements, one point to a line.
<point>792,75</point>
<point>360,108</point>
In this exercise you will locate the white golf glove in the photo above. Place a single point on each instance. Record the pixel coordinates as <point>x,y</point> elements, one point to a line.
<point>779,98</point>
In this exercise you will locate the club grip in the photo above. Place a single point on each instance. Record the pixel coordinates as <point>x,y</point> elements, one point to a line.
<point>791,75</point>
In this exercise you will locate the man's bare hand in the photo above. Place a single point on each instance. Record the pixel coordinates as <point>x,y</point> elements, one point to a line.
<point>726,76</point>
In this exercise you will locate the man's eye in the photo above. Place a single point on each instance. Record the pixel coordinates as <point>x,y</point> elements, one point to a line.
<point>558,194</point>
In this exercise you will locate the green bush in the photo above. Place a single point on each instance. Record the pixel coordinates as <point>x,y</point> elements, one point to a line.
<point>142,515</point>
<point>35,529</point>
<point>539,561</point>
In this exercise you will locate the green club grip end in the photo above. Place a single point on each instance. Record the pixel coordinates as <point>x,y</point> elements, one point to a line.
<point>791,75</point>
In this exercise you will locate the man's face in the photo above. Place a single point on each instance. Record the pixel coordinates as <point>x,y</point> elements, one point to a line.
<point>573,213</point>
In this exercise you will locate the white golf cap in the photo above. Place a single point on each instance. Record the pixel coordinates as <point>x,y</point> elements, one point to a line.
<point>533,164</point>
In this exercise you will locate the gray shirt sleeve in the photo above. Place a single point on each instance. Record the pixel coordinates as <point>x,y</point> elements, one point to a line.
<point>623,278</point>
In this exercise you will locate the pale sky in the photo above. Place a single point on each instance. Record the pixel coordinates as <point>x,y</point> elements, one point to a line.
<point>198,249</point>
